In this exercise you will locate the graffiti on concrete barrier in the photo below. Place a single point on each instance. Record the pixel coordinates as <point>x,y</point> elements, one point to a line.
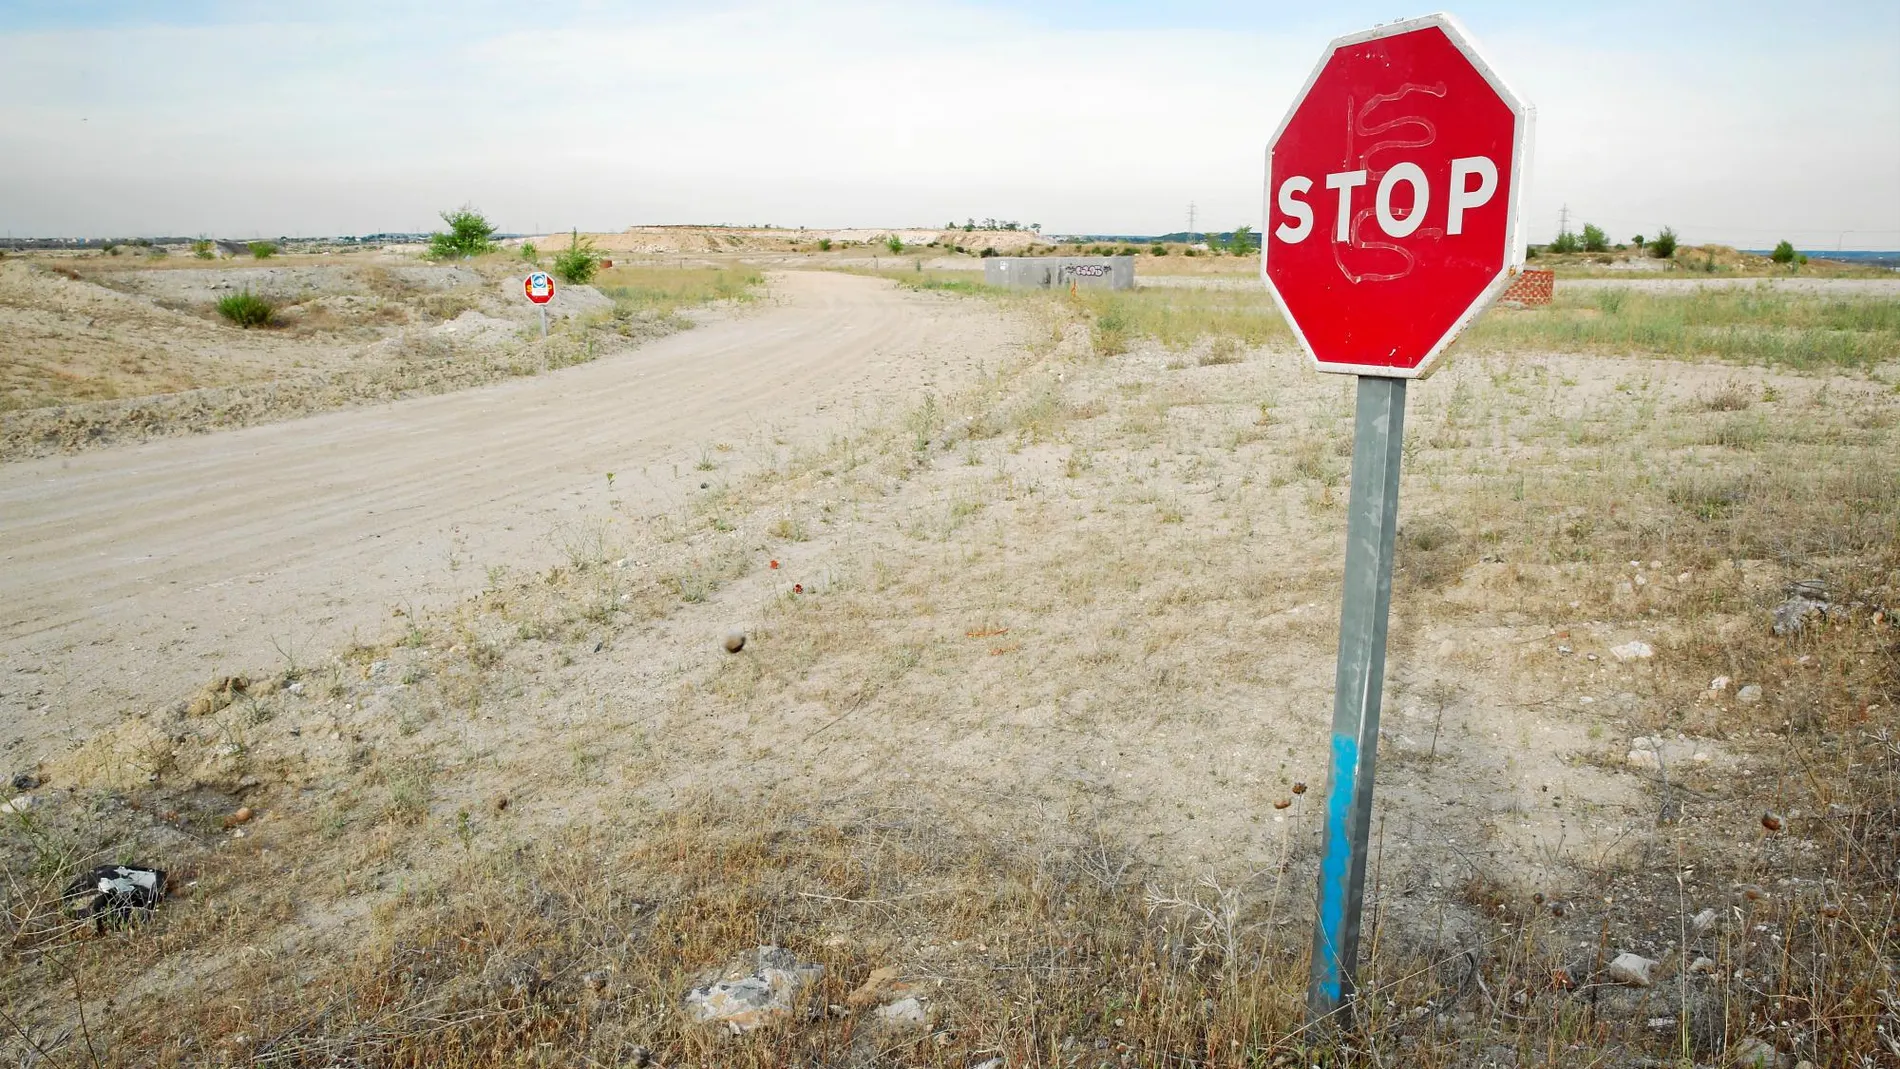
<point>1086,270</point>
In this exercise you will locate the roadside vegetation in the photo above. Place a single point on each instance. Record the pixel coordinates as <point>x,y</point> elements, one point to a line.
<point>469,235</point>
<point>577,264</point>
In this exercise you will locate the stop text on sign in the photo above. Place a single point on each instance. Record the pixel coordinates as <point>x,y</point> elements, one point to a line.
<point>1392,196</point>
<point>1474,181</point>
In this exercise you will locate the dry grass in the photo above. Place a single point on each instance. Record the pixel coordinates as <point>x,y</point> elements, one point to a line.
<point>1022,730</point>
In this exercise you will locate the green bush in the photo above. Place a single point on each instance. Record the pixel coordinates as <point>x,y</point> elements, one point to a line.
<point>530,253</point>
<point>1783,254</point>
<point>1637,241</point>
<point>247,309</point>
<point>468,235</point>
<point>1243,241</point>
<point>577,263</point>
<point>1158,249</point>
<point>1566,242</point>
<point>824,245</point>
<point>894,243</point>
<point>1594,240</point>
<point>262,250</point>
<point>202,249</point>
<point>1664,246</point>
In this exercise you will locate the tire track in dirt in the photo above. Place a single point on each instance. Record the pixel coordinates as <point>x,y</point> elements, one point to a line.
<point>129,576</point>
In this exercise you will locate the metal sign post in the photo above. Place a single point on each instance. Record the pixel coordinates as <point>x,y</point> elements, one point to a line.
<point>1391,220</point>
<point>1371,525</point>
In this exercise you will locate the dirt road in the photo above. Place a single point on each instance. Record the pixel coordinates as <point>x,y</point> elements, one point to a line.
<point>130,576</point>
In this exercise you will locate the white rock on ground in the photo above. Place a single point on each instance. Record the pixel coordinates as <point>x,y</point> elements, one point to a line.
<point>1646,760</point>
<point>1633,969</point>
<point>755,989</point>
<point>1633,650</point>
<point>1749,695</point>
<point>905,1012</point>
<point>1703,921</point>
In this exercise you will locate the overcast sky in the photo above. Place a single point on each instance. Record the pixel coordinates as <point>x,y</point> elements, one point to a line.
<point>1734,122</point>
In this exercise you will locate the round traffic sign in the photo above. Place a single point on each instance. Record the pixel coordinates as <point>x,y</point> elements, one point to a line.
<point>1392,195</point>
<point>540,287</point>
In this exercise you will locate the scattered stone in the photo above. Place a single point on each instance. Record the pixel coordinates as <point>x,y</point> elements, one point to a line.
<point>377,668</point>
<point>1750,892</point>
<point>874,987</point>
<point>1633,969</point>
<point>1752,1053</point>
<point>1793,615</point>
<point>1749,695</point>
<point>754,990</point>
<point>1771,820</point>
<point>19,805</point>
<point>1633,650</point>
<point>908,1012</point>
<point>26,781</point>
<point>1702,967</point>
<point>1647,760</point>
<point>735,641</point>
<point>296,688</point>
<point>242,816</point>
<point>1703,921</point>
<point>1719,684</point>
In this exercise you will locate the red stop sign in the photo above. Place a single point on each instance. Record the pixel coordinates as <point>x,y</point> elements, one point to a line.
<point>1392,197</point>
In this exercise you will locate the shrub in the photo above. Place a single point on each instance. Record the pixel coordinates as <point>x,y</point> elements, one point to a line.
<point>1783,254</point>
<point>247,309</point>
<point>530,253</point>
<point>1158,249</point>
<point>577,263</point>
<point>1637,241</point>
<point>1566,242</point>
<point>1594,239</point>
<point>1242,242</point>
<point>989,250</point>
<point>202,249</point>
<point>157,252</point>
<point>262,250</point>
<point>824,245</point>
<point>468,235</point>
<point>894,243</point>
<point>1664,246</point>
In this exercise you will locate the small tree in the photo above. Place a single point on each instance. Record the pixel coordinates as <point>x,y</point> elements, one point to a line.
<point>894,243</point>
<point>1566,242</point>
<point>1242,242</point>
<point>262,250</point>
<point>1637,241</point>
<point>577,263</point>
<point>1783,254</point>
<point>1664,246</point>
<point>468,235</point>
<point>1158,249</point>
<point>1594,239</point>
<point>202,249</point>
<point>530,253</point>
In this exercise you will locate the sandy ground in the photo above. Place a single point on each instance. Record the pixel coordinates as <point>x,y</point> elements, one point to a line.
<point>131,575</point>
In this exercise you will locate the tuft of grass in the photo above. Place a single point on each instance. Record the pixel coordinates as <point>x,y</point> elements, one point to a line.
<point>202,249</point>
<point>247,309</point>
<point>262,250</point>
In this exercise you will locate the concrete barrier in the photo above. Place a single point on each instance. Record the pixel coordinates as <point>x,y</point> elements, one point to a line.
<point>1059,272</point>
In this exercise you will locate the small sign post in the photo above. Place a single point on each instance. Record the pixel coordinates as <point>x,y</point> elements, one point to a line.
<point>1392,198</point>
<point>540,290</point>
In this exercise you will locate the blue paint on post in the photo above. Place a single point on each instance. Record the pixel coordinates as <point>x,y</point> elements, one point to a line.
<point>1333,867</point>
